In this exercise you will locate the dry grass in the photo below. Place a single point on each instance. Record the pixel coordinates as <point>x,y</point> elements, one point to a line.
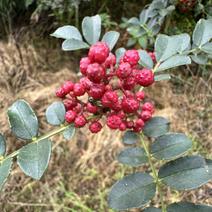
<point>81,171</point>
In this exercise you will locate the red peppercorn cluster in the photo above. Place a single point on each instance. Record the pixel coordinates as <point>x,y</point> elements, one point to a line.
<point>186,5</point>
<point>112,90</point>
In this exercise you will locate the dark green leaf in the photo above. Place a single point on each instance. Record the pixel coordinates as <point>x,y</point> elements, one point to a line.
<point>23,121</point>
<point>5,167</point>
<point>156,126</point>
<point>185,173</point>
<point>33,158</point>
<point>91,28</point>
<point>73,44</point>
<point>174,61</point>
<point>162,77</point>
<point>133,191</point>
<point>55,113</point>
<point>131,42</point>
<point>119,53</point>
<point>151,209</point>
<point>143,41</point>
<point>200,59</point>
<point>130,137</point>
<point>67,32</point>
<point>69,133</point>
<point>202,32</point>
<point>132,156</point>
<point>188,207</point>
<point>111,38</point>
<point>170,146</point>
<point>209,164</point>
<point>145,59</point>
<point>2,145</point>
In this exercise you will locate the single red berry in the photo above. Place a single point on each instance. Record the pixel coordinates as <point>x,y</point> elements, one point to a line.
<point>122,126</point>
<point>86,83</point>
<point>78,108</point>
<point>70,116</point>
<point>139,123</point>
<point>108,88</point>
<point>70,103</point>
<point>145,115</point>
<point>95,72</point>
<point>129,83</point>
<point>116,106</point>
<point>140,95</point>
<point>113,121</point>
<point>84,62</point>
<point>110,61</point>
<point>98,52</point>
<point>129,124</point>
<point>121,114</point>
<point>124,70</point>
<point>129,104</point>
<point>148,106</point>
<point>95,126</point>
<point>96,91</point>
<point>68,86</point>
<point>80,121</point>
<point>137,129</point>
<point>109,98</point>
<point>145,77</point>
<point>91,108</point>
<point>79,89</point>
<point>132,57</point>
<point>60,93</point>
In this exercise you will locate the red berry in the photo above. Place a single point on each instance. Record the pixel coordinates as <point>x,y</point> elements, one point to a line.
<point>68,86</point>
<point>132,57</point>
<point>139,123</point>
<point>145,77</point>
<point>129,104</point>
<point>113,121</point>
<point>95,72</point>
<point>122,126</point>
<point>110,61</point>
<point>91,108</point>
<point>145,115</point>
<point>129,83</point>
<point>124,70</point>
<point>84,62</point>
<point>70,116</point>
<point>140,95</point>
<point>79,89</point>
<point>129,124</point>
<point>98,52</point>
<point>86,83</point>
<point>60,93</point>
<point>78,108</point>
<point>70,103</point>
<point>148,106</point>
<point>80,121</point>
<point>95,126</point>
<point>109,98</point>
<point>96,91</point>
<point>116,106</point>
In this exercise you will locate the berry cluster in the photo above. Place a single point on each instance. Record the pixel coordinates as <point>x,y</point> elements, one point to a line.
<point>186,5</point>
<point>112,91</point>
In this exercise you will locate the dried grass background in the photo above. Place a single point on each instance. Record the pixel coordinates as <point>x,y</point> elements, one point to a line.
<point>82,170</point>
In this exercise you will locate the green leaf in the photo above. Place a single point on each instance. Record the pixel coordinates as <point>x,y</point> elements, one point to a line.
<point>145,59</point>
<point>33,158</point>
<point>143,41</point>
<point>23,121</point>
<point>201,59</point>
<point>188,207</point>
<point>55,113</point>
<point>2,145</point>
<point>73,44</point>
<point>209,164</point>
<point>174,61</point>
<point>130,137</point>
<point>91,28</point>
<point>167,46</point>
<point>69,133</point>
<point>133,191</point>
<point>119,53</point>
<point>156,126</point>
<point>152,209</point>
<point>162,77</point>
<point>111,38</point>
<point>131,42</point>
<point>202,32</point>
<point>207,48</point>
<point>5,167</point>
<point>170,146</point>
<point>67,32</point>
<point>132,156</point>
<point>185,173</point>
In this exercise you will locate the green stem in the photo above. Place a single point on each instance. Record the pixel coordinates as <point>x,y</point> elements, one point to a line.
<point>38,139</point>
<point>154,172</point>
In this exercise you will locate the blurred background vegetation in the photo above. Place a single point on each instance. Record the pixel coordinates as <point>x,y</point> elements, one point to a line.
<point>32,65</point>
